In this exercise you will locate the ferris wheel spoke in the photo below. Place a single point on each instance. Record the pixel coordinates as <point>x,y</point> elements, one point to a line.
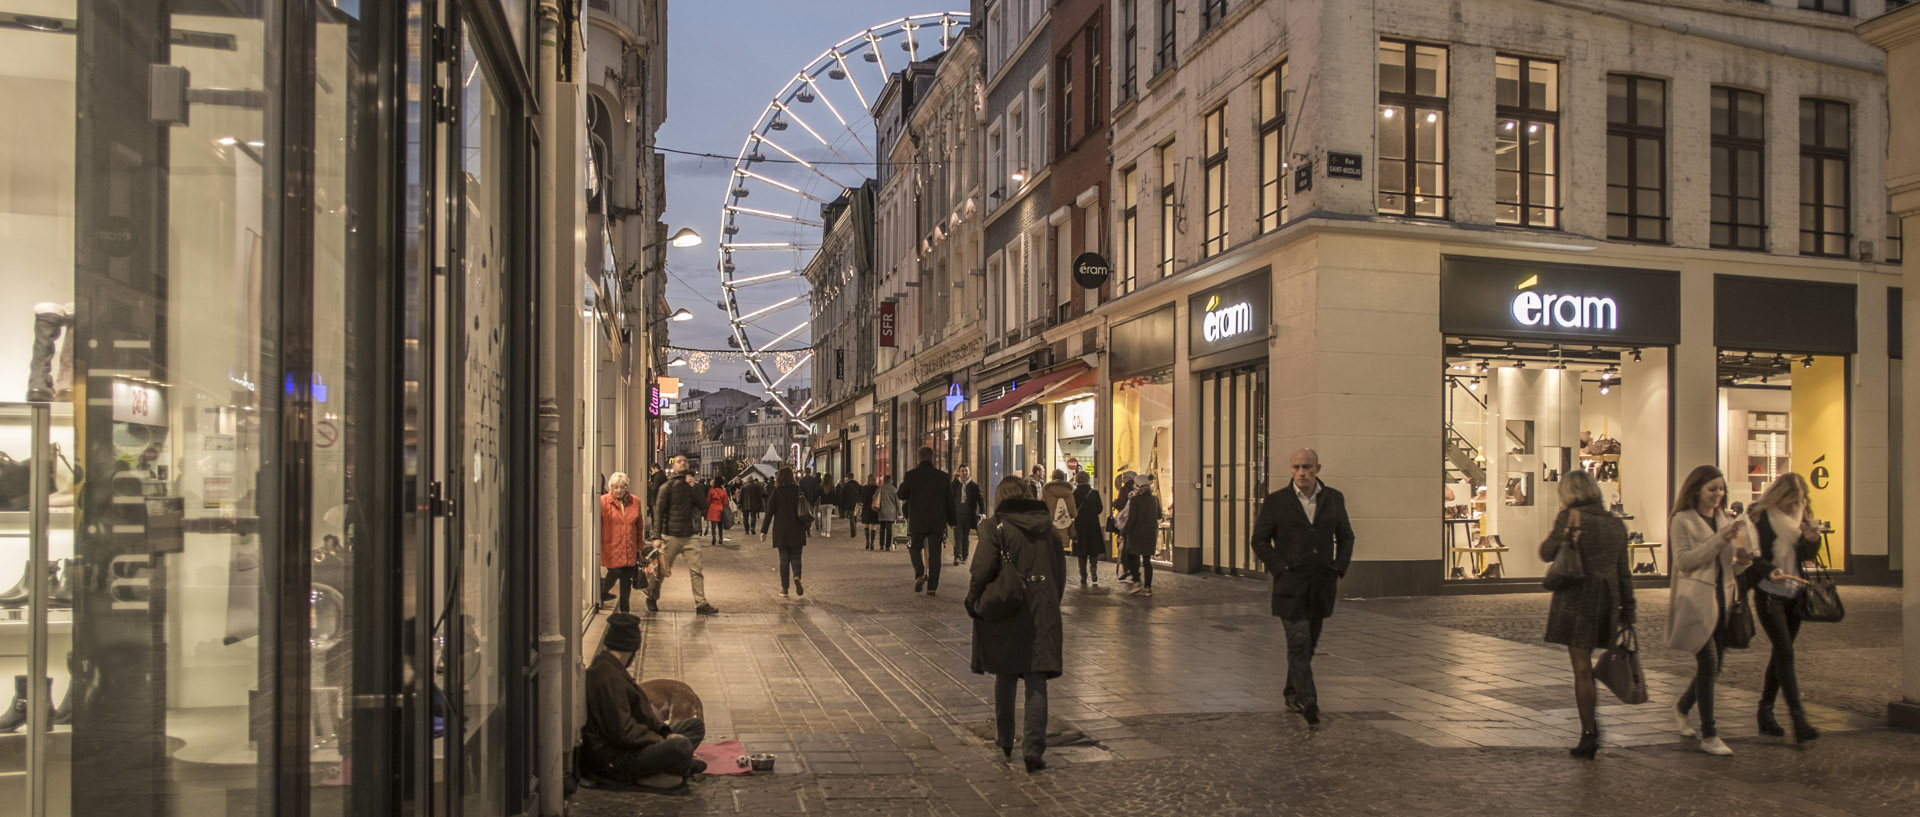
<point>841,60</point>
<point>802,162</point>
<point>783,337</point>
<point>873,46</point>
<point>749,211</point>
<point>767,278</point>
<point>776,306</point>
<point>780,184</point>
<point>816,134</point>
<point>797,366</point>
<point>849,128</point>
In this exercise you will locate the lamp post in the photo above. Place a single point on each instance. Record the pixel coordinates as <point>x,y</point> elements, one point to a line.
<point>685,237</point>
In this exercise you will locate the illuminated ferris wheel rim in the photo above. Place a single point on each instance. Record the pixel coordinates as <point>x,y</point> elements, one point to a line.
<point>836,63</point>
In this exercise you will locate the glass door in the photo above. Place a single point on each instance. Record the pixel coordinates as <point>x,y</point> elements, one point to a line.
<point>1233,465</point>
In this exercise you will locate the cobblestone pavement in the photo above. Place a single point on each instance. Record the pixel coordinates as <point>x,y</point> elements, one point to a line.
<point>1444,705</point>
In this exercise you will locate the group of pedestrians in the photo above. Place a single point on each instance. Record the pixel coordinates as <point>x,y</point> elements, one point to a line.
<point>1722,565</point>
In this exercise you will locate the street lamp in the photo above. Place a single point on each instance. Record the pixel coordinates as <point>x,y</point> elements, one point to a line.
<point>677,361</point>
<point>684,237</point>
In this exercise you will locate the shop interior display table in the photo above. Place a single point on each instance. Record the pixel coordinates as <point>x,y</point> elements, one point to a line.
<point>1480,558</point>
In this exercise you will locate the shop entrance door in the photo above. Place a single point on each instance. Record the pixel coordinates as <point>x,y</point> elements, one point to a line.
<point>1233,465</point>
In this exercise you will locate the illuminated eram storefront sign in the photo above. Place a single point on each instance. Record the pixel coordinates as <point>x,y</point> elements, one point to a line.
<point>1549,310</point>
<point>1222,322</point>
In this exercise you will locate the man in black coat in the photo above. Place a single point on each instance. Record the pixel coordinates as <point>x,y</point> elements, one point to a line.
<point>926,494</point>
<point>967,507</point>
<point>810,488</point>
<point>679,512</point>
<point>1304,538</point>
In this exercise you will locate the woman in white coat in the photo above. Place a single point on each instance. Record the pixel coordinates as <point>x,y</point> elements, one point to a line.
<point>1708,558</point>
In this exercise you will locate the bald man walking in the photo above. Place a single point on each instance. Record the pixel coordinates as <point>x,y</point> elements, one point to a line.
<point>1306,542</point>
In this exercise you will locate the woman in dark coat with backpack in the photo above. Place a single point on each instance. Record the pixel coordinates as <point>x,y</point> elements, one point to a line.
<point>788,531</point>
<point>1027,645</point>
<point>1587,613</point>
<point>1089,540</point>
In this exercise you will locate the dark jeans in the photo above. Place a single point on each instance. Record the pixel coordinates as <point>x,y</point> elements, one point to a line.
<point>852,515</point>
<point>1139,567</point>
<point>715,529</point>
<point>628,577</point>
<point>789,566</point>
<point>1782,625</point>
<point>886,535</point>
<point>748,517</point>
<point>1035,743</point>
<point>1303,637</point>
<point>929,566</point>
<point>672,756</point>
<point>1706,668</point>
<point>1089,563</point>
<point>960,542</point>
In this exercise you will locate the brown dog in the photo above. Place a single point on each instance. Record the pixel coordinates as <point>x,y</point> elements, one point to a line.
<point>672,701</point>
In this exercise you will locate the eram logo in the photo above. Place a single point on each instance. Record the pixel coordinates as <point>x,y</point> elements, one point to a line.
<point>1552,310</point>
<point>1820,477</point>
<point>1221,322</point>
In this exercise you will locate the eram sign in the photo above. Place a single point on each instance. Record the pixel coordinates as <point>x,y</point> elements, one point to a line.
<point>1565,311</point>
<point>1223,322</point>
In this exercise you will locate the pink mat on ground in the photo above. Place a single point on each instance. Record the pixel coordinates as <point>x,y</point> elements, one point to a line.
<point>720,757</point>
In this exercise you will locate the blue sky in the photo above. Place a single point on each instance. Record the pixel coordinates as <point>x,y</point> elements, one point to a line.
<point>725,60</point>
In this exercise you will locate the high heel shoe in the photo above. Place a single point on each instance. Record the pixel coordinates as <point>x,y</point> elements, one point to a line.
<point>1769,726</point>
<point>1589,745</point>
<point>1803,731</point>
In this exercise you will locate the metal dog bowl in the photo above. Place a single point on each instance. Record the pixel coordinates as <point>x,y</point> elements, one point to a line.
<point>761,762</point>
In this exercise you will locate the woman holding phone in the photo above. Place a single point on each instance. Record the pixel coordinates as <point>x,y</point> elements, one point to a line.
<point>1708,558</point>
<point>1785,536</point>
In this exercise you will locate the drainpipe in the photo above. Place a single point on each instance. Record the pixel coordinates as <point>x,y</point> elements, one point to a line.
<point>1687,30</point>
<point>550,744</point>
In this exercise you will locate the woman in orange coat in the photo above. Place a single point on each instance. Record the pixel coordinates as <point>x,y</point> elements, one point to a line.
<point>619,539</point>
<point>716,511</point>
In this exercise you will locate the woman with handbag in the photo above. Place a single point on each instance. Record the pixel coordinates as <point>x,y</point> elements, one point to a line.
<point>1705,602</point>
<point>1025,645</point>
<point>1785,536</point>
<point>1588,609</point>
<point>786,528</point>
<point>716,511</point>
<point>1116,519</point>
<point>1089,543</point>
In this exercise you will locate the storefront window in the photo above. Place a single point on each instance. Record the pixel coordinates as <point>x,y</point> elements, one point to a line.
<point>1073,444</point>
<point>1143,438</point>
<point>883,439</point>
<point>1780,413</point>
<point>1521,415</point>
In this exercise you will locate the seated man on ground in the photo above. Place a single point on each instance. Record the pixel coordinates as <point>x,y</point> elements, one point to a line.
<point>624,741</point>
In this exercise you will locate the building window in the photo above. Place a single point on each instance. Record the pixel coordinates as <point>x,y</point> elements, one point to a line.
<point>1040,122</point>
<point>1271,90</point>
<point>1016,170</point>
<point>1412,129</point>
<point>1895,238</point>
<point>1163,58</point>
<point>1063,74</point>
<point>1739,170</point>
<point>1129,249</point>
<point>1168,189</point>
<point>1526,147</point>
<point>996,167</point>
<point>1824,186</point>
<point>1129,48</point>
<point>1095,113</point>
<point>1211,13</point>
<point>1828,6</point>
<point>1213,129</point>
<point>1636,159</point>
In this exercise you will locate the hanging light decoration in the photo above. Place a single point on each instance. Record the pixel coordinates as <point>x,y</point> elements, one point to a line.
<point>785,361</point>
<point>699,362</point>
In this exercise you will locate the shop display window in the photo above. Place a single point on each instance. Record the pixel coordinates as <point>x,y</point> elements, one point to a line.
<point>1784,412</point>
<point>1143,440</point>
<point>1075,421</point>
<point>1519,416</point>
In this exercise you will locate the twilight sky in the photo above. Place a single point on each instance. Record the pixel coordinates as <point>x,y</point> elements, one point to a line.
<point>725,60</point>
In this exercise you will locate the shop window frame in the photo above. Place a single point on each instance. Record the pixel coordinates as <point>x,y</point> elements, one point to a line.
<point>1169,207</point>
<point>1129,249</point>
<point>1270,92</point>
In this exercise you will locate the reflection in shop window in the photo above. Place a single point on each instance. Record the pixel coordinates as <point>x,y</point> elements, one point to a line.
<point>1143,435</point>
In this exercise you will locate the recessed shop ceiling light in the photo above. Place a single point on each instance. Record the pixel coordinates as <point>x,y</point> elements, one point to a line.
<point>1636,355</point>
<point>1484,365</point>
<point>1807,363</point>
<point>1519,364</point>
<point>1605,387</point>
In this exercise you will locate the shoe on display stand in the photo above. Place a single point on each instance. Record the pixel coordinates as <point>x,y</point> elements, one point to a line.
<point>50,321</point>
<point>16,714</point>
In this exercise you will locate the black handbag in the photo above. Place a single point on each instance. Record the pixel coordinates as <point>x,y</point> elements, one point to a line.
<point>1739,627</point>
<point>1568,568</point>
<point>1821,600</point>
<point>1006,595</point>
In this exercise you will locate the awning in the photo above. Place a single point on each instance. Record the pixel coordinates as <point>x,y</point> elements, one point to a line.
<point>1024,393</point>
<point>1082,386</point>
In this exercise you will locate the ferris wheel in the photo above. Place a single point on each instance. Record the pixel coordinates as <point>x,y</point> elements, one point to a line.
<point>814,140</point>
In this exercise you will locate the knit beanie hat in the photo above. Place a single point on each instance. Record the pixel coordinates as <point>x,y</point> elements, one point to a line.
<point>623,633</point>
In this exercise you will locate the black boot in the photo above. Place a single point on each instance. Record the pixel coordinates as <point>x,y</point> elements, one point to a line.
<point>1803,731</point>
<point>22,590</point>
<point>1769,726</point>
<point>16,714</point>
<point>63,714</point>
<point>1589,745</point>
<point>60,589</point>
<point>49,320</point>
